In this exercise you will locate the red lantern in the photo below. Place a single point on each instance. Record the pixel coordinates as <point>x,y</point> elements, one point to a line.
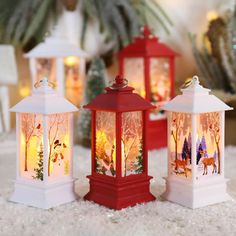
<point>119,150</point>
<point>149,65</point>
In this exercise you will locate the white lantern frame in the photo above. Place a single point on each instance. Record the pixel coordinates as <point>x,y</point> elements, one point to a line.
<point>48,192</point>
<point>196,191</point>
<point>58,48</point>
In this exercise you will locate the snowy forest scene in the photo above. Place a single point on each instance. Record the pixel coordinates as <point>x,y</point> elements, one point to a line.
<point>31,141</point>
<point>59,141</point>
<point>180,145</point>
<point>134,70</point>
<point>32,146</point>
<point>105,155</point>
<point>73,80</point>
<point>160,84</point>
<point>131,143</point>
<point>208,144</point>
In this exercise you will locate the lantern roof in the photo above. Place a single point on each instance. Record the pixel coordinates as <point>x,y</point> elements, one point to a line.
<point>119,98</point>
<point>196,99</point>
<point>147,44</point>
<point>44,100</point>
<point>56,46</point>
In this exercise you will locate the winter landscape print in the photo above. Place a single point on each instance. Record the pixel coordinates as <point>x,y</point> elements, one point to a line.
<point>180,145</point>
<point>32,149</point>
<point>208,144</point>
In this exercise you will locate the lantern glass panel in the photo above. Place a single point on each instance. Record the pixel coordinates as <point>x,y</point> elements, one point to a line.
<point>73,82</point>
<point>160,84</point>
<point>132,143</point>
<point>208,144</point>
<point>105,156</point>
<point>46,67</point>
<point>31,146</point>
<point>134,71</point>
<point>59,145</point>
<point>180,145</point>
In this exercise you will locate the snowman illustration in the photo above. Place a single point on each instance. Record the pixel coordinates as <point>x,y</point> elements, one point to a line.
<point>58,157</point>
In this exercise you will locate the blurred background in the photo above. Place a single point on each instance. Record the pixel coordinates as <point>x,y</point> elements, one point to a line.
<point>92,33</point>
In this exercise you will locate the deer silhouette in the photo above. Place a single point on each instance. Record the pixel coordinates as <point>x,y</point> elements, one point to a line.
<point>183,164</point>
<point>210,161</point>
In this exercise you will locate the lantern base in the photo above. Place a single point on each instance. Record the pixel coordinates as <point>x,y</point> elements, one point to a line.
<point>157,134</point>
<point>204,192</point>
<point>119,194</point>
<point>43,195</point>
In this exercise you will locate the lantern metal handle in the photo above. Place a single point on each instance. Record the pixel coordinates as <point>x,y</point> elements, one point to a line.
<point>44,82</point>
<point>190,81</point>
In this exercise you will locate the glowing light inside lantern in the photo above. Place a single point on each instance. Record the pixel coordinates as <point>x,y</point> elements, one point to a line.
<point>24,91</point>
<point>71,61</point>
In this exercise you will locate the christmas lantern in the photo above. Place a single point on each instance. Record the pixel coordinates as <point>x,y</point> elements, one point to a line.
<point>149,65</point>
<point>63,63</point>
<point>119,148</point>
<point>196,147</point>
<point>44,148</point>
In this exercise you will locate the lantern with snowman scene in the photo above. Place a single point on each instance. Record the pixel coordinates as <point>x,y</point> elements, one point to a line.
<point>44,148</point>
<point>149,65</point>
<point>119,175</point>
<point>63,63</point>
<point>196,147</point>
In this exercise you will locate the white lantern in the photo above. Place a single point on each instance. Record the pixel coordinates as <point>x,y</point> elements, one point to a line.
<point>196,148</point>
<point>63,63</point>
<point>44,133</point>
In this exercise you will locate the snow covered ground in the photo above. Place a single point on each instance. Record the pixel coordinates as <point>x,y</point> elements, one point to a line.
<point>86,218</point>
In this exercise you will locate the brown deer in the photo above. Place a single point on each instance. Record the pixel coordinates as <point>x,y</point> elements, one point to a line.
<point>208,162</point>
<point>183,164</point>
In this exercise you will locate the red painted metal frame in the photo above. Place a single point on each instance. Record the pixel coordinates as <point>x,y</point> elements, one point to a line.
<point>119,192</point>
<point>147,46</point>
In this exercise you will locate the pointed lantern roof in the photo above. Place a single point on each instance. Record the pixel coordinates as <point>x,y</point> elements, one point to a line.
<point>147,44</point>
<point>196,99</point>
<point>44,100</point>
<point>56,46</point>
<point>119,98</point>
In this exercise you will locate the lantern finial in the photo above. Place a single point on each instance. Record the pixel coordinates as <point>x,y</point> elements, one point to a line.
<point>119,82</point>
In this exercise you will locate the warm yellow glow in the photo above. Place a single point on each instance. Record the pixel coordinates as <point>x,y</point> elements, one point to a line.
<point>24,91</point>
<point>71,61</point>
<point>212,15</point>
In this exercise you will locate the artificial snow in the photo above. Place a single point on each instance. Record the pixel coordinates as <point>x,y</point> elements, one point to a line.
<point>86,218</point>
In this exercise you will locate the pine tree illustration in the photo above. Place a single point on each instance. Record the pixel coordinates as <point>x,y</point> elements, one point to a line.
<point>139,160</point>
<point>39,169</point>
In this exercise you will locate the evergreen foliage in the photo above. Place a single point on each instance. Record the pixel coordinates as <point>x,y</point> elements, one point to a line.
<point>39,169</point>
<point>96,82</point>
<point>25,22</point>
<point>185,150</point>
<point>199,150</point>
<point>217,57</point>
<point>139,160</point>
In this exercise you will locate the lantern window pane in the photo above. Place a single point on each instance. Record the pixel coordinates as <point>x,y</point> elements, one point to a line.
<point>132,143</point>
<point>73,80</point>
<point>208,144</point>
<point>105,156</point>
<point>58,145</point>
<point>134,72</point>
<point>46,67</point>
<point>160,84</point>
<point>180,145</point>
<point>31,146</point>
